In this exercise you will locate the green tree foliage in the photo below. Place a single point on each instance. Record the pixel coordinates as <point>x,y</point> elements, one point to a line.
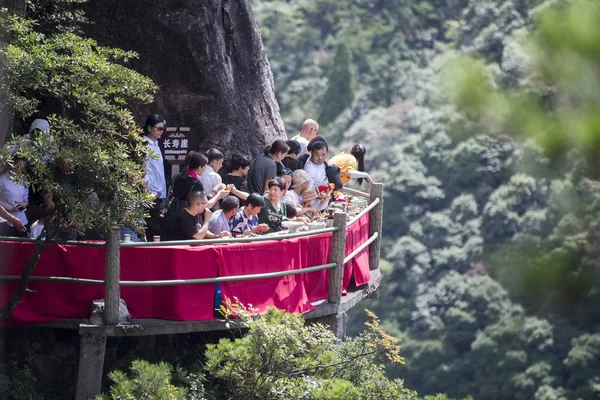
<point>87,160</point>
<point>18,375</point>
<point>491,214</point>
<point>557,106</point>
<point>282,358</point>
<point>279,357</point>
<point>147,381</point>
<point>339,93</point>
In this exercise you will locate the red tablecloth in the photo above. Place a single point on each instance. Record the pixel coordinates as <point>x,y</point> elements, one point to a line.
<point>53,301</point>
<point>180,302</point>
<point>50,301</point>
<point>286,293</point>
<point>356,234</point>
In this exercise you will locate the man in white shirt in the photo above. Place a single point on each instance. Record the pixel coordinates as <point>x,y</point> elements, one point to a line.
<point>309,130</point>
<point>14,196</point>
<point>210,178</point>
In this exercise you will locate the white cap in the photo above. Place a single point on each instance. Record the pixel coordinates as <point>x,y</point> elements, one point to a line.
<point>41,124</point>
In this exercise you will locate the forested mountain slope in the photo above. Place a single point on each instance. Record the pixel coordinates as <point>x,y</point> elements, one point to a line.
<point>491,247</point>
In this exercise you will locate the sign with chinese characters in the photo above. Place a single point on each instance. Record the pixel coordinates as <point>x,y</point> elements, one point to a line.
<point>177,142</point>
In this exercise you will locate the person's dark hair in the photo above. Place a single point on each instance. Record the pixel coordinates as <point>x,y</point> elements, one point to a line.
<point>294,147</point>
<point>196,197</point>
<point>276,182</point>
<point>285,171</point>
<point>317,143</point>
<point>214,154</point>
<point>151,121</point>
<point>255,200</point>
<point>278,146</point>
<point>186,160</point>
<point>359,151</point>
<point>238,161</point>
<point>230,203</point>
<point>193,160</point>
<point>291,211</point>
<point>198,160</point>
<point>46,210</point>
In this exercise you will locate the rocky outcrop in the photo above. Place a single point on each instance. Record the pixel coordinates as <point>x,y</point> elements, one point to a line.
<point>207,58</point>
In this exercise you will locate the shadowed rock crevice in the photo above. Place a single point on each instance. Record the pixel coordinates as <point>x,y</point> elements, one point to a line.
<point>208,60</point>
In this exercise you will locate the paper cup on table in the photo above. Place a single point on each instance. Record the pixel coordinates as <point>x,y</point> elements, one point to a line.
<point>156,239</point>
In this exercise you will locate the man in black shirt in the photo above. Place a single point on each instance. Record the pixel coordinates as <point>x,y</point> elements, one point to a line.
<point>191,223</point>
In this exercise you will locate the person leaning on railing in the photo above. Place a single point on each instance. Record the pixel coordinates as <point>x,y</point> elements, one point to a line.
<point>14,198</point>
<point>245,222</point>
<point>12,222</point>
<point>221,219</point>
<point>352,165</point>
<point>192,222</point>
<point>275,209</point>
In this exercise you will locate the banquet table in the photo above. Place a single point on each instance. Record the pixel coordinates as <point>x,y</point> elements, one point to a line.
<point>50,301</point>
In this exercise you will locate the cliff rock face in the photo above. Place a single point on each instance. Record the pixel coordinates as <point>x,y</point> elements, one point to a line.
<point>207,58</point>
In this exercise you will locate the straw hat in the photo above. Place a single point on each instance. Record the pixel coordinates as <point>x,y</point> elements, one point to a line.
<point>300,176</point>
<point>309,194</point>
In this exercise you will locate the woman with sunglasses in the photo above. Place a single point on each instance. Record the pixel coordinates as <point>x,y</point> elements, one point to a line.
<point>155,171</point>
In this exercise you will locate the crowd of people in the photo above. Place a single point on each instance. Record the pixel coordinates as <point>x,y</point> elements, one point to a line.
<point>213,196</point>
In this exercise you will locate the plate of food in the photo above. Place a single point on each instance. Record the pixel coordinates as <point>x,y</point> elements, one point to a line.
<point>292,225</point>
<point>313,226</point>
<point>359,201</point>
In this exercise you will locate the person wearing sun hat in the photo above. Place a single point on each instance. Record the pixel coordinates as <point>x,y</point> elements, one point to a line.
<point>309,196</point>
<point>300,182</point>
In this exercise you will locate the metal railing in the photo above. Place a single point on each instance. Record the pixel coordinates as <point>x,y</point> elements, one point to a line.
<point>360,248</point>
<point>173,282</point>
<point>230,240</point>
<point>335,267</point>
<point>363,212</point>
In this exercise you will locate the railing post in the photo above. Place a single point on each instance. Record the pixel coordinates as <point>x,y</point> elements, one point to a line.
<point>112,291</point>
<point>376,224</point>
<point>338,250</point>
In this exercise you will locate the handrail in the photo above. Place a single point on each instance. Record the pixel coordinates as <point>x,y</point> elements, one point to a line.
<point>363,212</point>
<point>360,248</point>
<point>69,242</point>
<point>230,240</point>
<point>356,192</point>
<point>174,282</point>
<point>183,242</point>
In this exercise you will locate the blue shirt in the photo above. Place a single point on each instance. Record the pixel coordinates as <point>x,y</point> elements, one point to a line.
<point>240,223</point>
<point>156,170</point>
<point>219,223</point>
